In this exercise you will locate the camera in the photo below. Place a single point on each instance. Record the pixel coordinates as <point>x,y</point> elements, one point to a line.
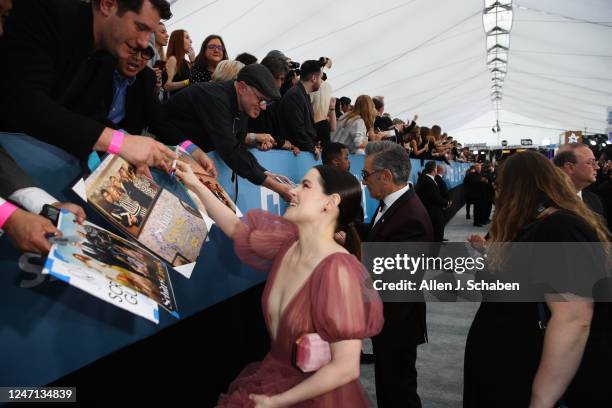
<point>292,73</point>
<point>294,69</point>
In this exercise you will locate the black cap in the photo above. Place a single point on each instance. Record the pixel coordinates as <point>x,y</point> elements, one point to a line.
<point>260,78</point>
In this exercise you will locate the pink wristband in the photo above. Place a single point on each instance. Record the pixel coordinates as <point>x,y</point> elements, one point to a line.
<point>116,142</point>
<point>6,210</point>
<point>188,146</point>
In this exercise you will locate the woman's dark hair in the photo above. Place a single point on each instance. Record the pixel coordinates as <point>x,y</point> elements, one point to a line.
<point>424,132</point>
<point>377,103</point>
<point>246,58</point>
<point>201,57</point>
<point>343,183</point>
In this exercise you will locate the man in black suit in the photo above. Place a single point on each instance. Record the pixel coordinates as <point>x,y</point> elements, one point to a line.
<point>468,194</point>
<point>578,162</point>
<point>476,184</point>
<point>64,48</point>
<point>431,197</point>
<point>400,217</point>
<point>296,110</point>
<point>440,171</point>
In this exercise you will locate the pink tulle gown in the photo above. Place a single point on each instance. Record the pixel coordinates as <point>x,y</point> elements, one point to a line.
<point>337,302</point>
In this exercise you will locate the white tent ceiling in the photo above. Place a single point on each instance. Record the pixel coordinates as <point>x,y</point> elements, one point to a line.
<point>429,57</point>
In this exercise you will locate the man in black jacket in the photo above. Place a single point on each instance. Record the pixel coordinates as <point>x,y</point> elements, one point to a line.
<point>429,193</point>
<point>440,171</point>
<point>578,162</point>
<point>25,227</point>
<point>215,114</point>
<point>59,48</point>
<point>296,109</point>
<point>126,99</point>
<point>476,183</point>
<point>269,121</point>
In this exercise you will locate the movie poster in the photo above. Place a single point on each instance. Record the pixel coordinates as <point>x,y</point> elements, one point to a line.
<point>156,218</point>
<point>110,268</point>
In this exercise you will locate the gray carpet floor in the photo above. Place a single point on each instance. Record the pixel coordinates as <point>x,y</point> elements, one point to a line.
<point>439,362</point>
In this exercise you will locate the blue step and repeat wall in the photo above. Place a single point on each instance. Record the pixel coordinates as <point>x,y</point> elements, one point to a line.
<point>50,329</point>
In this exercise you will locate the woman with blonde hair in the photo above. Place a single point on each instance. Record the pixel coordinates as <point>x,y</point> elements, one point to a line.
<point>324,106</point>
<point>356,126</point>
<point>517,356</point>
<point>161,40</point>
<point>227,70</point>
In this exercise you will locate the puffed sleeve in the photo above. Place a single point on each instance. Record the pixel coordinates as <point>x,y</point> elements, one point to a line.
<point>345,304</point>
<point>260,236</point>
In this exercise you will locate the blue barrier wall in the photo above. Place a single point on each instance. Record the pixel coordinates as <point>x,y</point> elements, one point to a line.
<point>251,196</point>
<point>50,329</point>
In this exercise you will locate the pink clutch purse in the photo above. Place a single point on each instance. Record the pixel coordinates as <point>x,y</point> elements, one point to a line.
<point>311,352</point>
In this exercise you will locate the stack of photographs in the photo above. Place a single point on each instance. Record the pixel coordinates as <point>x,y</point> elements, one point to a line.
<point>110,268</point>
<point>156,218</point>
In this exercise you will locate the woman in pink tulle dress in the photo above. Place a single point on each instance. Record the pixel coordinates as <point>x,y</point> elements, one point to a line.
<point>314,286</point>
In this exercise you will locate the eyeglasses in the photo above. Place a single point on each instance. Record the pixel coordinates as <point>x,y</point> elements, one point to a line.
<point>590,163</point>
<point>365,174</point>
<point>261,101</point>
<point>145,53</point>
<point>213,47</point>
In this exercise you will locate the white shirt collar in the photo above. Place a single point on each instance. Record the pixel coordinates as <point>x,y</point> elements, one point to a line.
<point>391,198</point>
<point>580,194</point>
<point>431,177</point>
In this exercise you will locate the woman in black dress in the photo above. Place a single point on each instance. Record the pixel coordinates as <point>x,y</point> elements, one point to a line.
<point>177,67</point>
<point>509,360</point>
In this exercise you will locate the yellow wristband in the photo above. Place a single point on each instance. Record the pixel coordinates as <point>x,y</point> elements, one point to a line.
<point>186,82</point>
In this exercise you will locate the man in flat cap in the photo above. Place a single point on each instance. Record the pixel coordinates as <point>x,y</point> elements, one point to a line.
<point>214,116</point>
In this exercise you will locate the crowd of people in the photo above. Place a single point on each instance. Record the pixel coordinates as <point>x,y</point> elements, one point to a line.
<point>106,84</point>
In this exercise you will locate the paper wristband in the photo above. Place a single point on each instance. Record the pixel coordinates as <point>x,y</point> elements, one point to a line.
<point>116,142</point>
<point>6,210</point>
<point>188,146</point>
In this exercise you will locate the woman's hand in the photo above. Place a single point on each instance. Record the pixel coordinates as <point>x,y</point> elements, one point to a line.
<point>477,242</point>
<point>332,104</point>
<point>184,173</point>
<point>263,401</point>
<point>191,53</point>
<point>205,162</point>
